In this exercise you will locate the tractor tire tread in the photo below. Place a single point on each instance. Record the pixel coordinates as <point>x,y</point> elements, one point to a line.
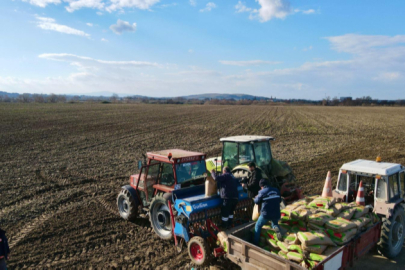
<point>205,247</point>
<point>384,245</point>
<point>133,210</point>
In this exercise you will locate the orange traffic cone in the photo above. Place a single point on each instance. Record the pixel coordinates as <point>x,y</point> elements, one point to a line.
<point>360,195</point>
<point>327,188</point>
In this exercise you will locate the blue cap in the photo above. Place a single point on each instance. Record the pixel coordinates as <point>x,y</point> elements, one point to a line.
<point>263,182</point>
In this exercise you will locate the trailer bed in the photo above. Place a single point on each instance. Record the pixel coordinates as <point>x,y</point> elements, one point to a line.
<point>252,257</point>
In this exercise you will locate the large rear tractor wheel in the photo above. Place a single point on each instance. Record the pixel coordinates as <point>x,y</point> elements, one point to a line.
<point>159,215</point>
<point>199,251</point>
<point>127,205</point>
<point>392,234</point>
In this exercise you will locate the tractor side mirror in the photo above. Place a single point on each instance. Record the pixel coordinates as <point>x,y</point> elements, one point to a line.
<point>139,164</point>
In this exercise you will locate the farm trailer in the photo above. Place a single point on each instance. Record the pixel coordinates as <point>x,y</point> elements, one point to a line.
<point>252,257</point>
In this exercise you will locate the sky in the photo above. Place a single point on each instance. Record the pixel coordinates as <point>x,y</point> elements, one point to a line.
<point>275,48</point>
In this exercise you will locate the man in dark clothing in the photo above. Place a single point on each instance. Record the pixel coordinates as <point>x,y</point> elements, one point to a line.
<point>270,199</point>
<point>228,186</point>
<point>253,183</point>
<point>4,250</point>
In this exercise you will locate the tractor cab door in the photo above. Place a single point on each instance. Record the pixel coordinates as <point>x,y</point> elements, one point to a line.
<point>148,177</point>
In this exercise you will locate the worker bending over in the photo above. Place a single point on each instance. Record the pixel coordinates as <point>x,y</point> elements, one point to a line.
<point>228,186</point>
<point>270,199</point>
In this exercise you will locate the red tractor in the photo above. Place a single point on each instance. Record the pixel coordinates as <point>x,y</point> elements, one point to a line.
<point>160,174</point>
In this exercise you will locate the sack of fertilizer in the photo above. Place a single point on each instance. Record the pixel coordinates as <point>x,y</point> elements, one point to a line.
<point>297,248</point>
<point>285,226</point>
<point>308,264</point>
<point>273,243</point>
<point>297,228</point>
<point>322,203</point>
<point>361,222</point>
<point>315,227</point>
<point>271,249</point>
<point>283,254</point>
<point>296,204</point>
<point>341,206</point>
<point>291,239</point>
<point>319,218</point>
<point>302,213</point>
<point>294,214</point>
<point>340,225</point>
<point>317,249</point>
<point>270,234</point>
<point>347,213</point>
<point>332,211</point>
<point>309,199</point>
<point>341,238</point>
<point>283,246</point>
<point>360,211</point>
<point>316,257</point>
<point>315,238</point>
<point>295,257</point>
<point>330,250</point>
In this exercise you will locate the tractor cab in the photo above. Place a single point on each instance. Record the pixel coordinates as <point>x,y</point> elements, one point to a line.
<point>239,150</point>
<point>167,170</point>
<point>383,182</point>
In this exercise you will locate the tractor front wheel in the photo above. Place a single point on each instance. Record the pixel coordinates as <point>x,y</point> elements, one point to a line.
<point>127,205</point>
<point>159,215</point>
<point>199,251</point>
<point>392,234</point>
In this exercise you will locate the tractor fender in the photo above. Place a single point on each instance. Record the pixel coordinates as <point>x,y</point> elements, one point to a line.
<point>131,190</point>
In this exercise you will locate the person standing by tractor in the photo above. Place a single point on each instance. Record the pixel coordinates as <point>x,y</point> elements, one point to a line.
<point>270,199</point>
<point>252,184</point>
<point>4,250</point>
<point>228,186</point>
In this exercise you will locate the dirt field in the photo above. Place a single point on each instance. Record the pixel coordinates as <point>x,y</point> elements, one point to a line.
<point>62,165</point>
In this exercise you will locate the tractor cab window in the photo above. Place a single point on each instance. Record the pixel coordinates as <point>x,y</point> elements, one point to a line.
<point>342,182</point>
<point>167,177</point>
<point>381,189</point>
<point>393,186</point>
<point>190,171</point>
<point>262,153</point>
<point>402,183</point>
<point>245,153</point>
<point>230,154</point>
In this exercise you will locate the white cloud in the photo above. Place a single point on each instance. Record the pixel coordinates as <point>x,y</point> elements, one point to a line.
<point>104,40</point>
<point>240,7</point>
<point>208,7</point>
<point>308,48</point>
<point>86,62</point>
<point>78,4</point>
<point>50,24</point>
<point>89,24</point>
<point>309,11</point>
<point>247,63</point>
<point>270,9</point>
<point>168,5</point>
<point>374,66</point>
<point>42,3</point>
<point>141,4</point>
<point>123,26</point>
<point>193,2</point>
<point>99,13</point>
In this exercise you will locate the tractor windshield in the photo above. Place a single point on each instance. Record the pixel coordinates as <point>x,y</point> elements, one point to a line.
<point>241,153</point>
<point>262,153</point>
<point>190,170</point>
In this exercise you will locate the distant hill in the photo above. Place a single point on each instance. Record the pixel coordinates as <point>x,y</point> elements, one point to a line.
<point>225,96</point>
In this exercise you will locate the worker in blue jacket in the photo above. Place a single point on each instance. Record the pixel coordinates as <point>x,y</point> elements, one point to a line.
<point>228,187</point>
<point>4,250</point>
<point>270,199</point>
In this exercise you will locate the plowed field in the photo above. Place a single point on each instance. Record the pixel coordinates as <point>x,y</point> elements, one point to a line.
<point>62,165</point>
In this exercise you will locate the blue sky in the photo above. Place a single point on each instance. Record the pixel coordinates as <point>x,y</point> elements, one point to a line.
<point>288,49</point>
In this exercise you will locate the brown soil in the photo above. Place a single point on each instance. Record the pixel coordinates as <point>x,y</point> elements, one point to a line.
<point>62,166</point>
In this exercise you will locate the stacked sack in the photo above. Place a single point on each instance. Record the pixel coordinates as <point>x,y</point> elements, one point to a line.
<point>314,228</point>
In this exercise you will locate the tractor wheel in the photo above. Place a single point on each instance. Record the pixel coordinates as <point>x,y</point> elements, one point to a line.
<point>199,251</point>
<point>392,234</point>
<point>127,205</point>
<point>159,216</point>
